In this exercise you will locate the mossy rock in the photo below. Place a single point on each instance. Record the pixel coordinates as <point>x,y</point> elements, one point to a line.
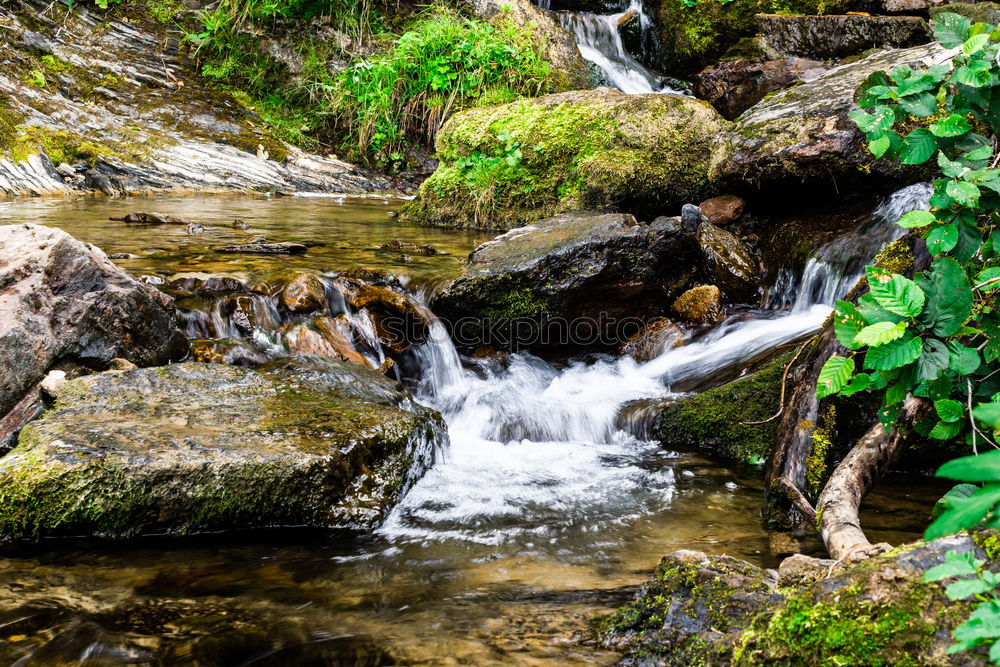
<point>713,420</point>
<point>979,12</point>
<point>202,447</point>
<point>503,166</point>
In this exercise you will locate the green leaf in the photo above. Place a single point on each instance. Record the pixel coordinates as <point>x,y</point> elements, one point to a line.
<point>869,309</point>
<point>949,297</point>
<point>878,121</point>
<point>975,43</point>
<point>963,588</point>
<point>988,413</point>
<point>983,623</point>
<point>951,126</point>
<point>949,410</point>
<point>895,293</point>
<point>944,502</point>
<point>962,360</point>
<point>859,382</point>
<point>847,322</point>
<point>948,167</point>
<point>964,193</point>
<point>982,468</point>
<point>950,29</point>
<point>944,430</point>
<point>834,376</point>
<point>986,275</point>
<point>965,513</point>
<point>981,153</point>
<point>975,75</point>
<point>880,333</point>
<point>955,564</point>
<point>896,354</point>
<point>942,239</point>
<point>915,219</point>
<point>933,360</point>
<point>918,147</point>
<point>879,146</point>
<point>920,105</point>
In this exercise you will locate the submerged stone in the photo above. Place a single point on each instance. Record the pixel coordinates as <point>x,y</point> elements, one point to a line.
<point>653,340</point>
<point>571,280</point>
<point>201,447</point>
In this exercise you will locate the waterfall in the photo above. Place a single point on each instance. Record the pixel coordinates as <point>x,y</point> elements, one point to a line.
<point>599,39</point>
<point>536,447</point>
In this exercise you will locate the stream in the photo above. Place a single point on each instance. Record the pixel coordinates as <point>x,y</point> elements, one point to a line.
<point>542,515</point>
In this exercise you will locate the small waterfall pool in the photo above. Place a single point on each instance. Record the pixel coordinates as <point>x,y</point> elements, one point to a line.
<point>540,516</point>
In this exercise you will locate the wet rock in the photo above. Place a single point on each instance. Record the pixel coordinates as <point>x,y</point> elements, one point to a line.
<point>195,228</point>
<point>799,569</point>
<point>691,217</point>
<point>123,255</point>
<point>240,224</point>
<point>204,284</point>
<point>653,340</point>
<point>198,447</point>
<point>413,248</point>
<point>734,86</point>
<point>305,293</point>
<point>729,264</point>
<point>266,248</point>
<point>373,277</point>
<point>398,323</point>
<point>802,137</point>
<point>831,37</point>
<point>724,210</point>
<point>229,352</point>
<point>598,149</point>
<point>325,337</point>
<point>117,364</point>
<point>702,609</point>
<point>702,304</point>
<point>142,218</point>
<point>50,383</point>
<point>61,299</point>
<point>589,271</point>
<point>692,610</point>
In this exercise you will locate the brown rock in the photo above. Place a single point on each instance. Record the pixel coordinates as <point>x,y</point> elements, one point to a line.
<point>723,210</point>
<point>733,87</point>
<point>337,332</point>
<point>142,218</point>
<point>304,293</point>
<point>405,246</point>
<point>653,340</point>
<point>266,248</point>
<point>61,299</point>
<point>727,262</point>
<point>701,304</point>
<point>398,323</point>
<point>800,569</point>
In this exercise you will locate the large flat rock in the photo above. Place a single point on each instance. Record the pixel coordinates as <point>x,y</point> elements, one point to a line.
<point>202,447</point>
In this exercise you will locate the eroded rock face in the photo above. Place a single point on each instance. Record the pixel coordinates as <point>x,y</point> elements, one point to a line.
<point>653,340</point>
<point>588,268</point>
<point>829,37</point>
<point>194,447</point>
<point>803,136</point>
<point>593,149</point>
<point>734,86</point>
<point>63,301</point>
<point>728,263</point>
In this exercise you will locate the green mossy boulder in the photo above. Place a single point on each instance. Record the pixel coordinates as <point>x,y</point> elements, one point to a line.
<point>713,420</point>
<point>202,447</point>
<point>503,166</point>
<point>714,610</point>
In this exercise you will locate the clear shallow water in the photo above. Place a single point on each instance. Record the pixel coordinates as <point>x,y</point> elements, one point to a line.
<point>540,517</point>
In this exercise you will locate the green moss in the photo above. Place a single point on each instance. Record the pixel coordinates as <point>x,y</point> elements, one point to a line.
<point>69,147</point>
<point>576,150</point>
<point>713,419</point>
<point>988,541</point>
<point>816,460</point>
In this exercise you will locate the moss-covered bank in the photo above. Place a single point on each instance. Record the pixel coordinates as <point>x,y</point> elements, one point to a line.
<point>503,166</point>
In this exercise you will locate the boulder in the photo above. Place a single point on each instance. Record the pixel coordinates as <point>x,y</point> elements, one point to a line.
<point>802,137</point>
<point>702,305</point>
<point>230,351</point>
<point>585,149</point>
<point>692,610</point>
<point>734,86</point>
<point>723,210</point>
<point>326,337</point>
<point>304,293</point>
<point>727,263</point>
<point>574,279</point>
<point>702,609</point>
<point>202,447</point>
<point>65,302</point>
<point>263,247</point>
<point>398,323</point>
<point>653,340</point>
<point>832,37</point>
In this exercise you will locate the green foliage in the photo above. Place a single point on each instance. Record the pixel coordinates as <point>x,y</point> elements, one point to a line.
<point>444,63</point>
<point>938,336</point>
<point>971,580</point>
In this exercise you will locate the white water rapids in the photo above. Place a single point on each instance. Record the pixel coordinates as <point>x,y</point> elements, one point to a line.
<point>535,449</point>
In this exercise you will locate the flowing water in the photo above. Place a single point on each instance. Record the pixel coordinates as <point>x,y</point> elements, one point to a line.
<point>541,516</point>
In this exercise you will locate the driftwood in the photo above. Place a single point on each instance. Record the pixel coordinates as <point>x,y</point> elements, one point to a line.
<point>853,478</point>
